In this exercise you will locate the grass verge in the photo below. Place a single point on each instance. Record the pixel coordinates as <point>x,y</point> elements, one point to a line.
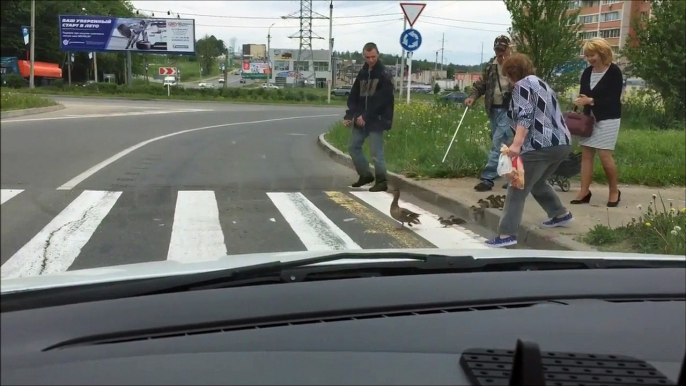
<point>660,230</point>
<point>21,101</point>
<point>421,134</point>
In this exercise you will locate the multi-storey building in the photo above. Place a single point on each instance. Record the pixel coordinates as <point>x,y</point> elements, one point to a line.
<point>610,19</point>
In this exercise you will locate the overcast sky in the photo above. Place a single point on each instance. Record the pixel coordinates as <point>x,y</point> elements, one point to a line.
<point>473,22</point>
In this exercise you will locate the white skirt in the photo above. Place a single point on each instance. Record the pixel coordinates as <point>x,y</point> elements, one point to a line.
<point>604,135</point>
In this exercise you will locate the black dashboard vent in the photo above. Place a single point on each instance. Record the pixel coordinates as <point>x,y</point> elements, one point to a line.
<point>133,336</point>
<point>536,367</point>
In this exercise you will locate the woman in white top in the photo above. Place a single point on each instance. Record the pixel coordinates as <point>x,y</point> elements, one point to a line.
<point>600,95</point>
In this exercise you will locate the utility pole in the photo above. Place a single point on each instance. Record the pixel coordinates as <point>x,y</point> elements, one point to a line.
<point>402,65</point>
<point>330,82</point>
<point>442,49</point>
<point>269,50</point>
<point>435,69</point>
<point>33,42</point>
<point>226,66</point>
<point>481,62</point>
<point>129,70</point>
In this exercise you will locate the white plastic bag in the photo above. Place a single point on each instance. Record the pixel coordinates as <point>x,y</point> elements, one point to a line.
<point>504,163</point>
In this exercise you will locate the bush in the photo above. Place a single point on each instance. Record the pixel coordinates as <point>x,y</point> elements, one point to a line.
<point>660,230</point>
<point>645,109</point>
<point>14,81</point>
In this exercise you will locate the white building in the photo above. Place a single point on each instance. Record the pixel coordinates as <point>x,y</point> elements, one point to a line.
<point>283,63</point>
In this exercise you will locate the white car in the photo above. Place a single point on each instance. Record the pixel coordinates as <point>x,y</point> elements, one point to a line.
<point>221,80</point>
<point>270,86</point>
<point>205,85</point>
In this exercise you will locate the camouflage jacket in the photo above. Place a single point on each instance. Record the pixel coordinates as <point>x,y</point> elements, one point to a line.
<point>487,84</point>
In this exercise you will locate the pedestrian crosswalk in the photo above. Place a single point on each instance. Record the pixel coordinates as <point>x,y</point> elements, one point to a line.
<point>55,231</point>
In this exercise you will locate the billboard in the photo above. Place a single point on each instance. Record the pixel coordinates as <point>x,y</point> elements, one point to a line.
<point>255,70</point>
<point>86,33</point>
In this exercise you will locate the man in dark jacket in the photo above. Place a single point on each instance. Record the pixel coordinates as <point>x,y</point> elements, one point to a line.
<point>370,113</point>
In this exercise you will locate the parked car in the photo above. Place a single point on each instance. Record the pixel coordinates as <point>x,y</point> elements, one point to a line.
<point>455,97</point>
<point>342,91</point>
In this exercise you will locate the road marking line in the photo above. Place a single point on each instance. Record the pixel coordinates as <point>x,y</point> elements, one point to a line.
<point>371,221</point>
<point>316,231</point>
<point>108,115</point>
<point>78,179</point>
<point>196,232</point>
<point>7,194</point>
<point>56,246</point>
<point>430,229</point>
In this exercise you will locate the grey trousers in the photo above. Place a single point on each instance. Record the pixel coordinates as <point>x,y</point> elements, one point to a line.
<point>539,165</point>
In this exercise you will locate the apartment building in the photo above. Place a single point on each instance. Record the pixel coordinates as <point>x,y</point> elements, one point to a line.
<point>610,19</point>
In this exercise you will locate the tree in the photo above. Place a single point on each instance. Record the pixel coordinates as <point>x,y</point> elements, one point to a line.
<point>549,34</point>
<point>207,50</point>
<point>657,53</point>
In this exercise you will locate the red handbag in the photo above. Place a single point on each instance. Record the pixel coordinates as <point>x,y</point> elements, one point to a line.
<point>579,124</point>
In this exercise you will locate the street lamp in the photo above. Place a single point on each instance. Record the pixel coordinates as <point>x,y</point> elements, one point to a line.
<point>269,55</point>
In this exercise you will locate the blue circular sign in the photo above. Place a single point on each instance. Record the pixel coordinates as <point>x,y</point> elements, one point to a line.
<point>410,40</point>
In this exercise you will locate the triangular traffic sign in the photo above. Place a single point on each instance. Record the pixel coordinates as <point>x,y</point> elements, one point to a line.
<point>412,11</point>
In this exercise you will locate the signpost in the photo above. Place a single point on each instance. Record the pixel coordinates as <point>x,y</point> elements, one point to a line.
<point>410,39</point>
<point>167,71</point>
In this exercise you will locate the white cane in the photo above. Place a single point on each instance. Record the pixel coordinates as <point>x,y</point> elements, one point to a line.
<point>455,135</point>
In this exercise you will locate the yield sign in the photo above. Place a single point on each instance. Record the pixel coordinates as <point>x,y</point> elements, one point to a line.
<point>412,11</point>
<point>167,70</point>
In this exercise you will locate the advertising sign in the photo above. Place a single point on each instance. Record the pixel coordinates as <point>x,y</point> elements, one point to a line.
<point>284,54</point>
<point>86,33</point>
<point>255,70</point>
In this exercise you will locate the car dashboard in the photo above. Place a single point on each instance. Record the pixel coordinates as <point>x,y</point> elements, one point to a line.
<point>434,329</point>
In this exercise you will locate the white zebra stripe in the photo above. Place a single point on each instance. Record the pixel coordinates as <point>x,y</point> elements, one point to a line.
<point>56,246</point>
<point>8,194</point>
<point>316,231</point>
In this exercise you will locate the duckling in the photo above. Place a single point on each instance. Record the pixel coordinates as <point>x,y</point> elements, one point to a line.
<point>402,215</point>
<point>451,220</point>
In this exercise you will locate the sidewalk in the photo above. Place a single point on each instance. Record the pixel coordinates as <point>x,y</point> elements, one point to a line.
<point>586,216</point>
<point>458,196</point>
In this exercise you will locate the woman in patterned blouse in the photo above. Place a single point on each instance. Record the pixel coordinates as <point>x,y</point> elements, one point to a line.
<point>541,140</point>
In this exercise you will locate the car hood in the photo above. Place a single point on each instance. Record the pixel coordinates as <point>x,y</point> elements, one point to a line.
<point>172,268</point>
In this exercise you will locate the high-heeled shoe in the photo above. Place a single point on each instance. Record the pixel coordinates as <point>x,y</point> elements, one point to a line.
<point>612,204</point>
<point>585,200</point>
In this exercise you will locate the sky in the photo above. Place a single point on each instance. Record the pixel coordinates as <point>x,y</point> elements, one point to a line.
<point>467,24</point>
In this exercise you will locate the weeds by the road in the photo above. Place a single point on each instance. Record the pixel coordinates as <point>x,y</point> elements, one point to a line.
<point>20,101</point>
<point>660,230</point>
<point>421,134</point>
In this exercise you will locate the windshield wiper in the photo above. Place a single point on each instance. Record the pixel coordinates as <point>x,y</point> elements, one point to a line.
<point>366,265</point>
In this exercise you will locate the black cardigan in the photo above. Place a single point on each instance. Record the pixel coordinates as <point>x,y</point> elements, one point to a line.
<point>606,94</point>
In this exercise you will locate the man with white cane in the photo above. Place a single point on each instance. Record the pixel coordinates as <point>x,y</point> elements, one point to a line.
<point>497,93</point>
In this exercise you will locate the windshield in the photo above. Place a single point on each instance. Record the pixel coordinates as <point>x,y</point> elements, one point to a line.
<point>142,137</point>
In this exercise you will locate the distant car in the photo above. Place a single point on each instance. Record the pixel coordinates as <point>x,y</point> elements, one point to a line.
<point>341,91</point>
<point>205,85</point>
<point>270,86</point>
<point>242,80</point>
<point>456,97</point>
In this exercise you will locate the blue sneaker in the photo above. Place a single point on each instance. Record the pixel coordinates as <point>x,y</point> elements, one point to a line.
<point>499,242</point>
<point>561,221</point>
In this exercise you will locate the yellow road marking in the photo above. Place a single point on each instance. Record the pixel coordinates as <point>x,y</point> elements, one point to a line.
<point>375,224</point>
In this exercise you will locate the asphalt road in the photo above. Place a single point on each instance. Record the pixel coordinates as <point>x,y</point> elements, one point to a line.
<point>232,81</point>
<point>110,182</point>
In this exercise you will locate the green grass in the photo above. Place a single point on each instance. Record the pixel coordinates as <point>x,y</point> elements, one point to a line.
<point>660,230</point>
<point>421,134</point>
<point>20,101</point>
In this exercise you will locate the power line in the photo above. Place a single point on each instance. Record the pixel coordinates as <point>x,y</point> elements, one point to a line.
<point>269,17</point>
<point>463,21</point>
<point>291,27</point>
<point>454,26</point>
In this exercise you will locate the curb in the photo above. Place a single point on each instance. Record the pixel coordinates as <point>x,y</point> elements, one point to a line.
<point>534,237</point>
<point>23,112</point>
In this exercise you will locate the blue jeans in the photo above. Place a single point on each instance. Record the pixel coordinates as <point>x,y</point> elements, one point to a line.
<point>500,134</point>
<point>376,148</point>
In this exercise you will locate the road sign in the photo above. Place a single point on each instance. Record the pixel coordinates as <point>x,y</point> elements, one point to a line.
<point>168,71</point>
<point>410,40</point>
<point>412,11</point>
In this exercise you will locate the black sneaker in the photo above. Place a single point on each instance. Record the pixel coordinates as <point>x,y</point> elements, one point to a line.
<point>482,187</point>
<point>364,180</point>
<point>505,185</point>
<point>379,186</point>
